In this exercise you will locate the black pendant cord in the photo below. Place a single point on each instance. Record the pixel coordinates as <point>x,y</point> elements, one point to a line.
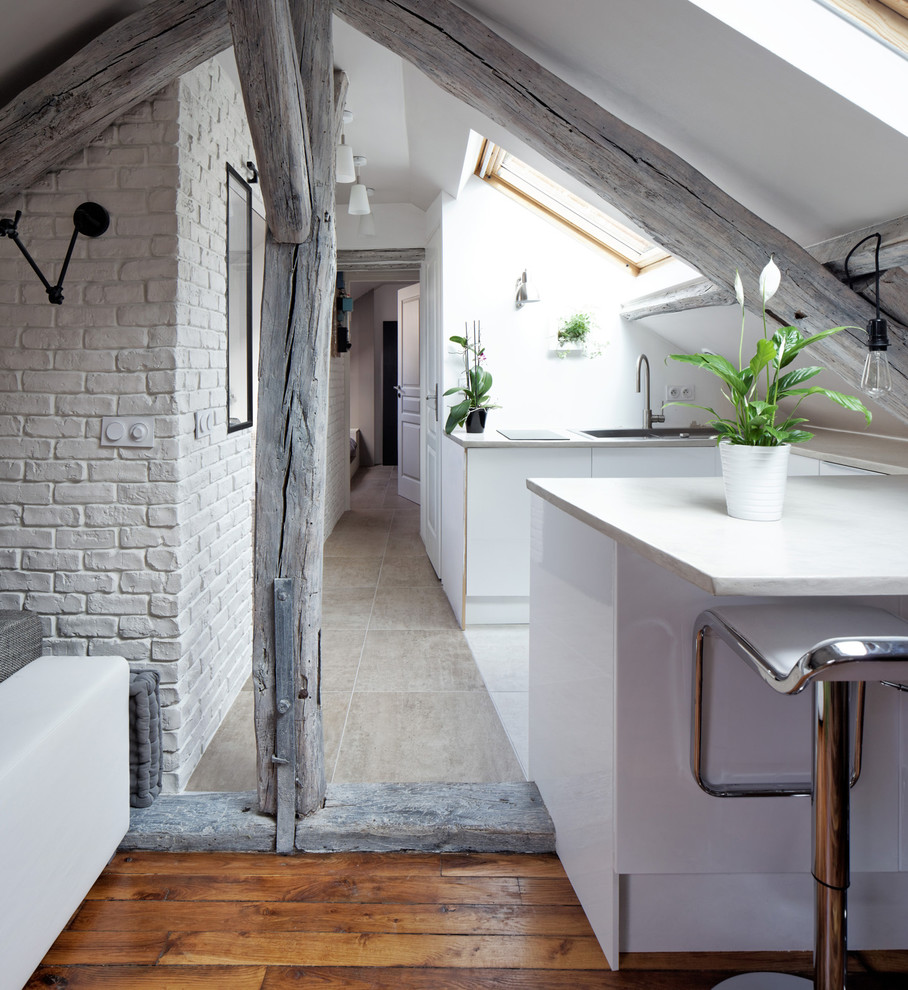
<point>89,219</point>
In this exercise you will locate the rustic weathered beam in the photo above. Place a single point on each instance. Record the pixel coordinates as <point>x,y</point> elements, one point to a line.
<point>700,292</point>
<point>380,259</point>
<point>678,206</point>
<point>268,65</point>
<point>291,439</point>
<point>61,113</point>
<point>893,248</point>
<point>694,294</point>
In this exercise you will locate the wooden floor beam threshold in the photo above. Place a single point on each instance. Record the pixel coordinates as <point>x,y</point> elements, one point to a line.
<point>490,818</point>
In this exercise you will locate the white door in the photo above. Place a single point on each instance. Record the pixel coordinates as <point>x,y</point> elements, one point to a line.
<point>433,404</point>
<point>409,393</point>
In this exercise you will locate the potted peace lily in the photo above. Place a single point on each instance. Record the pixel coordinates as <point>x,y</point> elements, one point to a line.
<point>474,406</point>
<point>756,437</point>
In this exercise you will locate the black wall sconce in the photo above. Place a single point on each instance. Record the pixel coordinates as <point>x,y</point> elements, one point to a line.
<point>876,378</point>
<point>89,219</point>
<point>252,173</point>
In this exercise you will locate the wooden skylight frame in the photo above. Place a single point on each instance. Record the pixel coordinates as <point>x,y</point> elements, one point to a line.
<point>537,192</point>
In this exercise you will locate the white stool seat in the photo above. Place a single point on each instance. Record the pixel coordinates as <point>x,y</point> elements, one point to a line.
<point>791,644</point>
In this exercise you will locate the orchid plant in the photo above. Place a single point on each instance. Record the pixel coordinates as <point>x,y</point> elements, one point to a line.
<point>478,381</point>
<point>755,389</point>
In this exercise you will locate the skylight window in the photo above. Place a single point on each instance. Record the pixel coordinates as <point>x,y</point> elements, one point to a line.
<point>534,190</point>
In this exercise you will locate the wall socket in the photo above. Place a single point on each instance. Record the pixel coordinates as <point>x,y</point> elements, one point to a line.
<point>680,393</point>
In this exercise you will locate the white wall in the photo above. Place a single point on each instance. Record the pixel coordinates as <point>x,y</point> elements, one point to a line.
<point>488,241</point>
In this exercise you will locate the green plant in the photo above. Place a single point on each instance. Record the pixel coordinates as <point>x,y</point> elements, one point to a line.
<point>478,381</point>
<point>755,389</point>
<point>575,329</point>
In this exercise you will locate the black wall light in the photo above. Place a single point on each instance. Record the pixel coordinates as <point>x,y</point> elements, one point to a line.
<point>89,219</point>
<point>875,378</point>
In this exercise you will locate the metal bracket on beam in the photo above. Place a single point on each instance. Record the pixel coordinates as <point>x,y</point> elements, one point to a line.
<point>284,731</point>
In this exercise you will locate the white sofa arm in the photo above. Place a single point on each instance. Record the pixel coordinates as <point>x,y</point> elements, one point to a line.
<point>64,797</point>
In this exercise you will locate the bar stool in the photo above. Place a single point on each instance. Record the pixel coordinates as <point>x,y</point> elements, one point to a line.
<point>790,645</point>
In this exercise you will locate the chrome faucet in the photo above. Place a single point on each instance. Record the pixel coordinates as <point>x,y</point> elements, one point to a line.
<point>648,417</point>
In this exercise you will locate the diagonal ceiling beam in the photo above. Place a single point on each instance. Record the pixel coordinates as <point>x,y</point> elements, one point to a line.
<point>699,293</point>
<point>268,65</point>
<point>678,206</point>
<point>61,113</point>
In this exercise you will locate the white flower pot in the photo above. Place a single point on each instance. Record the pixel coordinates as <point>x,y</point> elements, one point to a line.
<point>755,480</point>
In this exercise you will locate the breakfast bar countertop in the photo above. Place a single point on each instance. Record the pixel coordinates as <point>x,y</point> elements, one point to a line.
<point>837,535</point>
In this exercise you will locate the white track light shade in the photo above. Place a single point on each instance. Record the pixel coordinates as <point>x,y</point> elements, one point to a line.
<point>345,169</point>
<point>359,200</point>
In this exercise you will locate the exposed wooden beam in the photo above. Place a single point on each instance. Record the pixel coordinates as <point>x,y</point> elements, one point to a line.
<point>61,113</point>
<point>291,438</point>
<point>700,292</point>
<point>697,293</point>
<point>380,259</point>
<point>893,249</point>
<point>678,206</point>
<point>268,66</point>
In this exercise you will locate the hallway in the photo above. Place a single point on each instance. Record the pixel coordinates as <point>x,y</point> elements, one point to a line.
<point>402,696</point>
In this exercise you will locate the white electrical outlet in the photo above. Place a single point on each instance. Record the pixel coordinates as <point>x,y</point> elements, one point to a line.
<point>680,393</point>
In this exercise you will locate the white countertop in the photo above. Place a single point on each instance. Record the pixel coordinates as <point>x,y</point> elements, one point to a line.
<point>837,536</point>
<point>569,438</point>
<point>887,455</point>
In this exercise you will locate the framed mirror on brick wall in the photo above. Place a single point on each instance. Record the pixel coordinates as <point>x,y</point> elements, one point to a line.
<point>239,302</point>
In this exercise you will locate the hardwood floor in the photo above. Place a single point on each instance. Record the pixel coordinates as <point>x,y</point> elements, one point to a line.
<point>254,921</point>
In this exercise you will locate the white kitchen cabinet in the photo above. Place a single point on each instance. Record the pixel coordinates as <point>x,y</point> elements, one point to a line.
<point>655,462</point>
<point>486,511</point>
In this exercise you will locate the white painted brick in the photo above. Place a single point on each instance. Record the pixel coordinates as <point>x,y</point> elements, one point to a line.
<point>113,560</point>
<point>132,650</point>
<point>36,539</point>
<point>85,539</point>
<point>25,581</point>
<point>52,604</point>
<point>117,470</point>
<point>142,582</point>
<point>66,470</point>
<point>87,625</point>
<point>84,493</point>
<point>107,604</point>
<point>115,515</point>
<point>85,405</point>
<point>85,582</point>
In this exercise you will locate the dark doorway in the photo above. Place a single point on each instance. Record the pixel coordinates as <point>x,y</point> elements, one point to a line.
<point>389,392</point>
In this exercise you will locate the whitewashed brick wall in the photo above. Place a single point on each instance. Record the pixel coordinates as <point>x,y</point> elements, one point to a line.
<point>137,552</point>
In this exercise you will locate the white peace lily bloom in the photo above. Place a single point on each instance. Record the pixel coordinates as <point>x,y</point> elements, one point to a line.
<point>770,279</point>
<point>739,288</point>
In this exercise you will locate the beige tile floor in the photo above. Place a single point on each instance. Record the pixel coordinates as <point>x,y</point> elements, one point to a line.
<point>402,697</point>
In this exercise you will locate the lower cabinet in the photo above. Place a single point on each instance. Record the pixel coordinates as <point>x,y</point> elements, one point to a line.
<point>486,513</point>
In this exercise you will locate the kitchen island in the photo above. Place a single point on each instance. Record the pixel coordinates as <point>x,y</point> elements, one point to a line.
<point>620,568</point>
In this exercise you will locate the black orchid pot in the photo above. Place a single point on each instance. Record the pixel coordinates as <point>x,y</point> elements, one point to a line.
<point>476,420</point>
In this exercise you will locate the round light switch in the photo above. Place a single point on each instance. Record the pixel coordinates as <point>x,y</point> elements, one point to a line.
<point>114,431</point>
<point>138,432</point>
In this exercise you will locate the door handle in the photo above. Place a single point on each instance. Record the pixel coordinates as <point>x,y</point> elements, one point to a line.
<point>434,397</point>
<point>399,391</point>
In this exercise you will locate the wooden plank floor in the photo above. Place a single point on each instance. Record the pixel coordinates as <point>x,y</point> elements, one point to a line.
<point>254,921</point>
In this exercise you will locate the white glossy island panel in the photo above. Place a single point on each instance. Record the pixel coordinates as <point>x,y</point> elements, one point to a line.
<point>620,569</point>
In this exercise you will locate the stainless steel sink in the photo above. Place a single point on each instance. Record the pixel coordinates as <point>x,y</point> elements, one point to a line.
<point>654,433</point>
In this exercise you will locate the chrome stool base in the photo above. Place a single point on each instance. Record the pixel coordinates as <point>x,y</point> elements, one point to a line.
<point>765,981</point>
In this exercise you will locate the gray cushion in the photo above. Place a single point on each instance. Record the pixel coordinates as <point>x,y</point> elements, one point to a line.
<point>20,641</point>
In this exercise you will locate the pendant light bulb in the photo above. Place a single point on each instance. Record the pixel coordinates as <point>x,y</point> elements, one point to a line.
<point>876,378</point>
